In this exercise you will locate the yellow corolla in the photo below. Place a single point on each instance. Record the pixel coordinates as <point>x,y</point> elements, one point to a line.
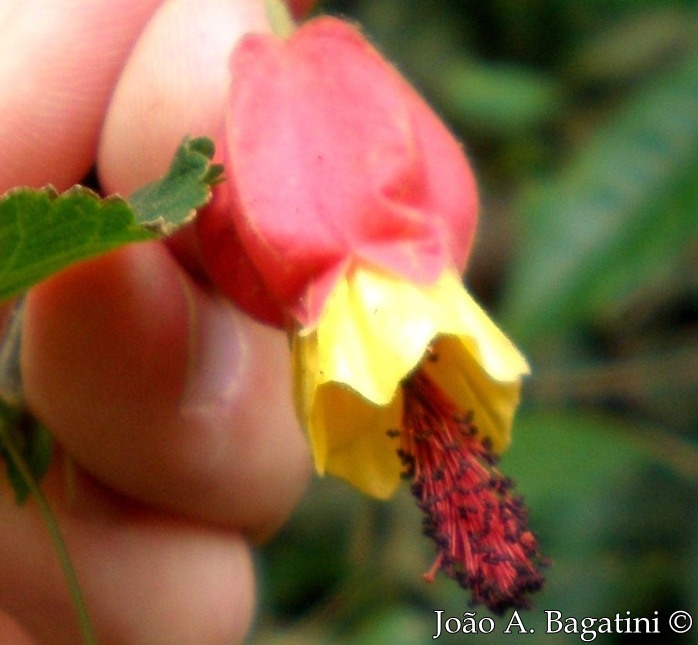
<point>375,330</point>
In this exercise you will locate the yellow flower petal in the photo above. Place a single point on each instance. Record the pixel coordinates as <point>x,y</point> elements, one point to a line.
<point>373,332</point>
<point>459,374</point>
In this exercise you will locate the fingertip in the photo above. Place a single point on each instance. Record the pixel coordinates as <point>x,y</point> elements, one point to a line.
<point>174,84</point>
<point>58,65</point>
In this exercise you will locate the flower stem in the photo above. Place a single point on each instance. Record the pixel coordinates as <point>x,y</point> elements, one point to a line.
<point>280,19</point>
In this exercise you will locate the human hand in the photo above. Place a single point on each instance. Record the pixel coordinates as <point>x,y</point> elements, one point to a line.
<point>170,457</point>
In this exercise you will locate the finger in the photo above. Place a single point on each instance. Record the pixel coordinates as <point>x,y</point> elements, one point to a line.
<point>12,632</point>
<point>165,392</point>
<point>174,85</point>
<point>146,578</point>
<point>58,64</point>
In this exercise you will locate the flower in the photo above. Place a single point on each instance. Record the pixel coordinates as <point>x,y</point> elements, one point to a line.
<point>348,218</point>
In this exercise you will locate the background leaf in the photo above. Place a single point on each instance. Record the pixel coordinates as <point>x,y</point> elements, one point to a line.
<point>608,222</point>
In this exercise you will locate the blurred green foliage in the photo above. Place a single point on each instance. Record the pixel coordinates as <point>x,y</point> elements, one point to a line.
<point>581,118</point>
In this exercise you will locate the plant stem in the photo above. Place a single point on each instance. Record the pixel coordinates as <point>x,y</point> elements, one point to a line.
<point>10,345</point>
<point>49,519</point>
<point>11,410</point>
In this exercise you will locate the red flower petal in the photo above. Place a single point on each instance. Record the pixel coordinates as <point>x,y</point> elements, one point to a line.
<point>332,158</point>
<point>228,263</point>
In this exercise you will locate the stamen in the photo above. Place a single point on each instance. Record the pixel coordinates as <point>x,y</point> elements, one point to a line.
<point>430,576</point>
<point>479,526</point>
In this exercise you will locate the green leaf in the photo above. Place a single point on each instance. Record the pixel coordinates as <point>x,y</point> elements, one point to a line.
<point>635,43</point>
<point>560,455</point>
<point>20,432</point>
<point>389,622</point>
<point>622,210</point>
<point>172,200</point>
<point>21,436</point>
<point>42,232</point>
<point>498,98</point>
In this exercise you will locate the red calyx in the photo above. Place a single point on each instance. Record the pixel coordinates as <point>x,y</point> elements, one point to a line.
<point>331,158</point>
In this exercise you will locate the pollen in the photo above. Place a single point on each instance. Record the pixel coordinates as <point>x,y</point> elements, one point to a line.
<point>479,525</point>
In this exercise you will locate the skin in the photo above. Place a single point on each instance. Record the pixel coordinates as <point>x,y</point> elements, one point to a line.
<point>157,390</point>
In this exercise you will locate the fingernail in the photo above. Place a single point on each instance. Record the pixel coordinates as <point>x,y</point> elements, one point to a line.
<point>216,354</point>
